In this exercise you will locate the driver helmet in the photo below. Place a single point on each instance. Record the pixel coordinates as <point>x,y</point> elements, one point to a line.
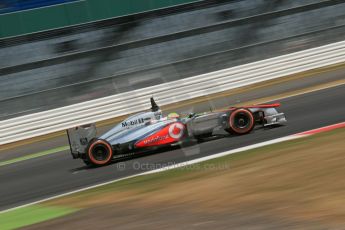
<point>173,115</point>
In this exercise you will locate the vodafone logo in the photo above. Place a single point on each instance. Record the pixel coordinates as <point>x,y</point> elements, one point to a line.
<point>176,130</point>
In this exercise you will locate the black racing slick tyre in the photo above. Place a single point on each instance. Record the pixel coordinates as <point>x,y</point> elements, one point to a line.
<point>241,121</point>
<point>99,153</point>
<point>86,162</point>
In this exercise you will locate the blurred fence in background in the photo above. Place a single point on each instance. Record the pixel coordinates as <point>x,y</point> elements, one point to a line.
<point>28,16</point>
<point>37,124</point>
<point>8,6</point>
<point>81,63</point>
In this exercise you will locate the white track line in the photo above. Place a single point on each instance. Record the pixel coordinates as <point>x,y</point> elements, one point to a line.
<point>186,163</point>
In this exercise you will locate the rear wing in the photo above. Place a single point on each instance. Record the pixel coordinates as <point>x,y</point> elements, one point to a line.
<point>79,138</point>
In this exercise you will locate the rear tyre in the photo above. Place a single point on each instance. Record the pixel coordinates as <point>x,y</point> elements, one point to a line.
<point>86,162</point>
<point>241,121</point>
<point>99,153</point>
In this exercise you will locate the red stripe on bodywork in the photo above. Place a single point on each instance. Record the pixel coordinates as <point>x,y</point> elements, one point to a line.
<point>263,106</point>
<point>169,134</point>
<point>274,105</point>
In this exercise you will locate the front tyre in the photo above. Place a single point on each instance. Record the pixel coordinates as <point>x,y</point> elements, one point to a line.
<point>241,121</point>
<point>99,153</point>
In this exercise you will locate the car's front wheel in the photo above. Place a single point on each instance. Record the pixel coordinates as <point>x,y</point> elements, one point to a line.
<point>241,121</point>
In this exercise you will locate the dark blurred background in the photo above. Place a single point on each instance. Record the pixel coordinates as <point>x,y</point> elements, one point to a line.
<point>151,44</point>
<point>7,6</point>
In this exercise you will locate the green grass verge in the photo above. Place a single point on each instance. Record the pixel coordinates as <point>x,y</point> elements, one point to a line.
<point>34,155</point>
<point>31,215</point>
<point>36,214</point>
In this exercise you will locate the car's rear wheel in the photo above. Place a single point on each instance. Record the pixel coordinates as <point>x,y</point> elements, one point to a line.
<point>99,153</point>
<point>241,121</point>
<point>87,162</point>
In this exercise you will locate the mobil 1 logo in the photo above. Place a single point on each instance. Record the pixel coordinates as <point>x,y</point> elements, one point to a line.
<point>128,124</point>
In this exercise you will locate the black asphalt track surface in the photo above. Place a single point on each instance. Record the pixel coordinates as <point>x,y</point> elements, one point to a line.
<point>54,174</point>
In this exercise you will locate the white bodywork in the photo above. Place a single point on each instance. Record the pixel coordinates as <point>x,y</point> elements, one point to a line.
<point>272,116</point>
